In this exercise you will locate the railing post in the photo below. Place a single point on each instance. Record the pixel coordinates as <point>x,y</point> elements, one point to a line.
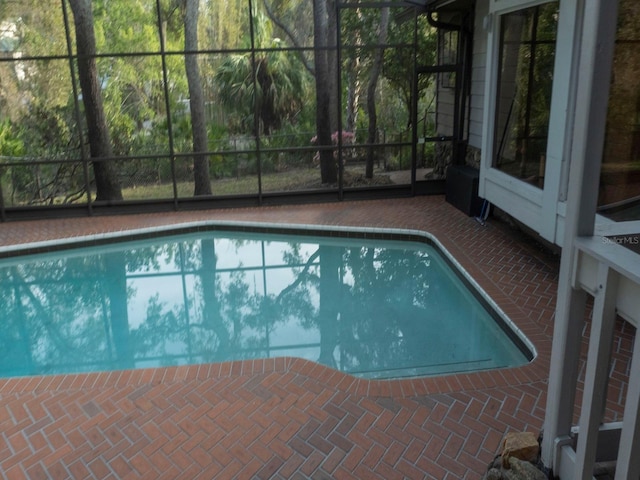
<point>598,20</point>
<point>628,464</point>
<point>597,371</point>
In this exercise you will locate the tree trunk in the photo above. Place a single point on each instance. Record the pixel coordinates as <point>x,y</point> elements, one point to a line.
<point>354,87</point>
<point>106,176</point>
<point>376,68</point>
<point>266,102</point>
<point>353,94</point>
<point>329,309</point>
<point>328,166</point>
<point>202,180</point>
<point>212,317</point>
<point>116,292</point>
<point>332,64</point>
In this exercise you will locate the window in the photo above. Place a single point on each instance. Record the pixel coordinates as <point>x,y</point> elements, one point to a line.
<point>526,59</point>
<point>619,194</point>
<point>448,53</point>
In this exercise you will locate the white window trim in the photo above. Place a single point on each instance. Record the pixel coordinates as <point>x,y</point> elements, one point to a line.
<point>541,210</point>
<point>502,7</point>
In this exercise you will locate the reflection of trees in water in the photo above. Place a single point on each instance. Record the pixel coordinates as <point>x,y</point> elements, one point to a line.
<point>225,314</point>
<point>60,311</point>
<point>118,316</point>
<point>330,303</point>
<point>364,323</point>
<point>388,295</point>
<point>361,301</point>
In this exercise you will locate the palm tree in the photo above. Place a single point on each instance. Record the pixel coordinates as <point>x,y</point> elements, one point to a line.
<point>273,83</point>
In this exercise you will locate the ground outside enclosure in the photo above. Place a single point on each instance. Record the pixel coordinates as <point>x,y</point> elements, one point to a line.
<point>290,418</point>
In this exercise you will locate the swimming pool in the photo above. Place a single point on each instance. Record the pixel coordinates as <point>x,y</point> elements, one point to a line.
<point>372,304</point>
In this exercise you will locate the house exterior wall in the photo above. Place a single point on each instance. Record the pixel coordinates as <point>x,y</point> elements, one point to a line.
<point>446,96</point>
<point>478,73</point>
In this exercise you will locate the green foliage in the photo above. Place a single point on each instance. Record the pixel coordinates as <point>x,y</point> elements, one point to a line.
<point>38,99</point>
<point>271,82</point>
<point>360,38</point>
<point>10,144</point>
<point>295,20</point>
<point>126,27</point>
<point>223,28</point>
<point>48,131</point>
<point>235,82</point>
<point>529,58</point>
<point>221,166</point>
<point>41,26</point>
<point>399,59</point>
<point>288,136</point>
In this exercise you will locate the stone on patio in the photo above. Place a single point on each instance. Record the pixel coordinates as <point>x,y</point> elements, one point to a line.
<point>521,445</point>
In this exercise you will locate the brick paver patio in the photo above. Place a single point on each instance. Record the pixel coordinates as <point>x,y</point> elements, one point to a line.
<point>290,418</point>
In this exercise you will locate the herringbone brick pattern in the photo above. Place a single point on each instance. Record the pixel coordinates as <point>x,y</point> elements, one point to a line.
<point>276,424</point>
<point>290,418</point>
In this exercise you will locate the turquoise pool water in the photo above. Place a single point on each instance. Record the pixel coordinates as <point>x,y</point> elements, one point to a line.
<point>374,308</point>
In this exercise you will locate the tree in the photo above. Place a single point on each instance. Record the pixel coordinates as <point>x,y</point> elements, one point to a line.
<point>294,19</point>
<point>106,177</point>
<point>37,97</point>
<point>270,82</point>
<point>325,69</point>
<point>397,61</point>
<point>201,176</point>
<point>324,97</point>
<point>376,69</point>
<point>353,65</point>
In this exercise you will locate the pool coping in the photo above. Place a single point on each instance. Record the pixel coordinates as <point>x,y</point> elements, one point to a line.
<point>535,370</point>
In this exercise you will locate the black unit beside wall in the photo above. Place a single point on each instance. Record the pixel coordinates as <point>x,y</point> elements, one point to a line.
<point>462,189</point>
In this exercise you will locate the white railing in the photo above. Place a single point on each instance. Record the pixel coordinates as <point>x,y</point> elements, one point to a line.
<point>610,273</point>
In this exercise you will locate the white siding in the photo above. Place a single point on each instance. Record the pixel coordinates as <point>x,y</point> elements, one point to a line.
<point>478,72</point>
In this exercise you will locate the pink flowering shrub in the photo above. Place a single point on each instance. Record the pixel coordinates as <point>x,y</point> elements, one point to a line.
<point>348,139</point>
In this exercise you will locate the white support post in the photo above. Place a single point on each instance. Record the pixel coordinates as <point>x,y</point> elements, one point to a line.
<point>597,371</point>
<point>628,465</point>
<point>565,355</point>
<point>597,43</point>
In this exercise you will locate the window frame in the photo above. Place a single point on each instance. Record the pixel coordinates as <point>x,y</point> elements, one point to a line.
<point>543,209</point>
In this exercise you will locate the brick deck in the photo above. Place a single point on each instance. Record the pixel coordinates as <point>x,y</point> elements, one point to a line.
<point>290,418</point>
